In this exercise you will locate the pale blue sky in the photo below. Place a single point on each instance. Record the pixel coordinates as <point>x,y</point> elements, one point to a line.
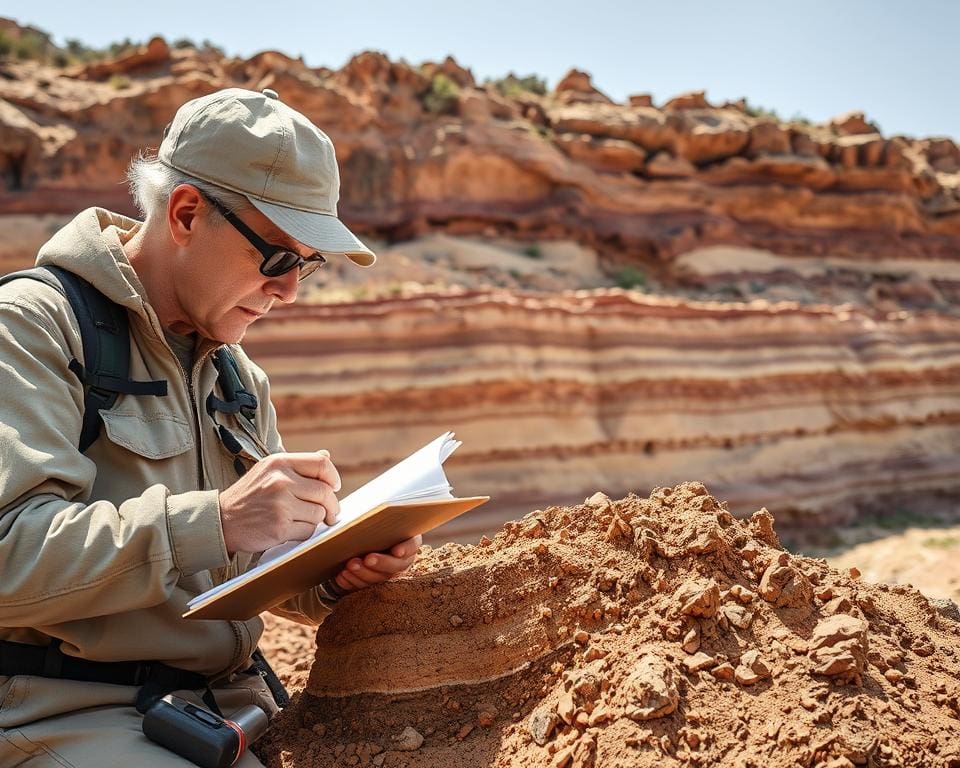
<point>897,61</point>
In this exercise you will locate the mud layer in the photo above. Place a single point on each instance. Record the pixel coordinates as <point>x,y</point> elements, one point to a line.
<point>658,631</point>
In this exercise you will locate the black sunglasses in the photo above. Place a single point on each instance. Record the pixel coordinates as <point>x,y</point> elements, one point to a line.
<point>277,259</point>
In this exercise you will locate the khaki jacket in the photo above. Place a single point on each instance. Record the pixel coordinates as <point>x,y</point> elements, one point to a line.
<point>104,549</point>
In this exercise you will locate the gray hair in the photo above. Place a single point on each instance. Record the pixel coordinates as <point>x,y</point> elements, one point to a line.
<point>151,183</point>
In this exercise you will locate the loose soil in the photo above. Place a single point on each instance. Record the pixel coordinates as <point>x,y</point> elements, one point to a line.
<point>641,632</point>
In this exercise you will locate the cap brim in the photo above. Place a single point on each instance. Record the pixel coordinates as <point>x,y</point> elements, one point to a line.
<point>321,231</point>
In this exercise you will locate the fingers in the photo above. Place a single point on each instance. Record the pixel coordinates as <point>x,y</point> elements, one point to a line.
<point>299,531</point>
<point>407,548</point>
<point>321,498</point>
<point>316,465</point>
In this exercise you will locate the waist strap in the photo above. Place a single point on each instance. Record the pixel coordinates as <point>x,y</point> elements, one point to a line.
<point>154,678</point>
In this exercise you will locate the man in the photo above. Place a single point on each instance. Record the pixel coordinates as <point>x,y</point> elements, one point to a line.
<point>101,550</point>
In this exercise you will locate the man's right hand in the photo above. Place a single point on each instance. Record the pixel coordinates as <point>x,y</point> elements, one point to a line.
<point>282,498</point>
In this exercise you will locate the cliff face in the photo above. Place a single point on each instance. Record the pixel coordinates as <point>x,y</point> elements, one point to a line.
<point>427,148</point>
<point>837,389</point>
<point>801,409</point>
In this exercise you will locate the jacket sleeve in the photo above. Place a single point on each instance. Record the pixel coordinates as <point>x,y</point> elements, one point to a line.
<point>308,607</point>
<point>63,556</point>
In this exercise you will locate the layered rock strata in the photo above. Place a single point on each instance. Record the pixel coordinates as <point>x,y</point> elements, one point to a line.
<point>638,632</point>
<point>812,411</point>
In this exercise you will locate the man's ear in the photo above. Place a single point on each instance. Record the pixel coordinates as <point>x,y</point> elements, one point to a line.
<point>184,207</point>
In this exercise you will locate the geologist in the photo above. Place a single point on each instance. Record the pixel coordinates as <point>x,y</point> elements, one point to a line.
<point>140,462</point>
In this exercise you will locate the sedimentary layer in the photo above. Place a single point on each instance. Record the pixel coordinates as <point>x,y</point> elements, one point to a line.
<point>806,410</point>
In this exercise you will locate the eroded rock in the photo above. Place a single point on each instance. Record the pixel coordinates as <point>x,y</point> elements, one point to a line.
<point>650,689</point>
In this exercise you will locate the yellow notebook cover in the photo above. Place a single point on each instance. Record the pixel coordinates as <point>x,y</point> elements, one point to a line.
<point>374,531</point>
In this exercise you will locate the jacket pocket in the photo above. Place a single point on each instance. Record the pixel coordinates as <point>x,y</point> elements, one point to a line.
<point>151,435</point>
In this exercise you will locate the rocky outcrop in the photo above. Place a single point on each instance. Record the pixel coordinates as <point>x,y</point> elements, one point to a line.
<point>809,411</point>
<point>799,407</point>
<point>642,185</point>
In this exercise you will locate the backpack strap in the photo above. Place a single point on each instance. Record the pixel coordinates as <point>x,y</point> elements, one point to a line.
<point>237,399</point>
<point>105,335</point>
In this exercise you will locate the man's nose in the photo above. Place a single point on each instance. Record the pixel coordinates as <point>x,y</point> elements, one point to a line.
<point>284,287</point>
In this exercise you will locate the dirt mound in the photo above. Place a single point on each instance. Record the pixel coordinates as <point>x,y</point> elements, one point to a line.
<point>637,632</point>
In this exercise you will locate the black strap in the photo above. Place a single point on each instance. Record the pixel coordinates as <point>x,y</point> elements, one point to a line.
<point>155,678</point>
<point>277,690</point>
<point>105,335</point>
<point>237,399</point>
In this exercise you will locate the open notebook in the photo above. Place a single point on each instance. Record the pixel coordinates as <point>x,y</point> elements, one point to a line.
<point>411,497</point>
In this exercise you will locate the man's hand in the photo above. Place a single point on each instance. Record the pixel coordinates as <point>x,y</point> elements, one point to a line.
<point>282,498</point>
<point>377,567</point>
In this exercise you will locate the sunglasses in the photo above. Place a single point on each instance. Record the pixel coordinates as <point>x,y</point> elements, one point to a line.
<point>277,259</point>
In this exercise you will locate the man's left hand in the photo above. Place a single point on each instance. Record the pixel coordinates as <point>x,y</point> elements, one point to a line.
<point>377,567</point>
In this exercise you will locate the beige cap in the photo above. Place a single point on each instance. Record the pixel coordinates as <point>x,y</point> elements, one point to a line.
<point>254,144</point>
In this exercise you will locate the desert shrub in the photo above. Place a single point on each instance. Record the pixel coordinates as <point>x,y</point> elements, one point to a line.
<point>441,98</point>
<point>209,45</point>
<point>513,87</point>
<point>184,42</point>
<point>119,82</point>
<point>630,278</point>
<point>533,251</point>
<point>757,111</point>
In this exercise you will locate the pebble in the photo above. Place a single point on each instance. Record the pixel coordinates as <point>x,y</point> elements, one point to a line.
<point>408,740</point>
<point>699,661</point>
<point>723,671</point>
<point>541,724</point>
<point>752,668</point>
<point>691,641</point>
<point>650,689</point>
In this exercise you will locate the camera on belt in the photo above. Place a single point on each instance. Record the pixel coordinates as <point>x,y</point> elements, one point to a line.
<point>199,735</point>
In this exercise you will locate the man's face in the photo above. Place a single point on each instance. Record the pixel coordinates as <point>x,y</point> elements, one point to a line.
<point>220,288</point>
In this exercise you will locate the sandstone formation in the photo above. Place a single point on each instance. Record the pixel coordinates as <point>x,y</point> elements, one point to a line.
<point>643,185</point>
<point>809,411</point>
<point>489,205</point>
<point>569,649</point>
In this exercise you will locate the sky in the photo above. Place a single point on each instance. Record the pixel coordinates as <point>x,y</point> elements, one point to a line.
<point>896,61</point>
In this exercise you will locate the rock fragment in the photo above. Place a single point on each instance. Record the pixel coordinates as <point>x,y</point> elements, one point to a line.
<point>785,586</point>
<point>699,661</point>
<point>408,740</point>
<point>650,689</point>
<point>540,725</point>
<point>752,668</point>
<point>838,647</point>
<point>697,599</point>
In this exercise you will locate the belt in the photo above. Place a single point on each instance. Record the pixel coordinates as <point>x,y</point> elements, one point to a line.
<point>154,678</point>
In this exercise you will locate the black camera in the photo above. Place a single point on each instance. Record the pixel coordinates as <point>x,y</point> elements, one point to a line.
<point>199,735</point>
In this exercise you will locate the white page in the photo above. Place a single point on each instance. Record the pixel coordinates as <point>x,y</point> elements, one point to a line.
<point>419,477</point>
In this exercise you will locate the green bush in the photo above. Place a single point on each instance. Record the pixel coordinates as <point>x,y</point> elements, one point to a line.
<point>630,278</point>
<point>763,113</point>
<point>442,97</point>
<point>513,87</point>
<point>31,46</point>
<point>184,42</point>
<point>119,82</point>
<point>6,45</point>
<point>532,251</point>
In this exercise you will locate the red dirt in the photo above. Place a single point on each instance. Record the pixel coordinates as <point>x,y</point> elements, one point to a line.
<point>642,632</point>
